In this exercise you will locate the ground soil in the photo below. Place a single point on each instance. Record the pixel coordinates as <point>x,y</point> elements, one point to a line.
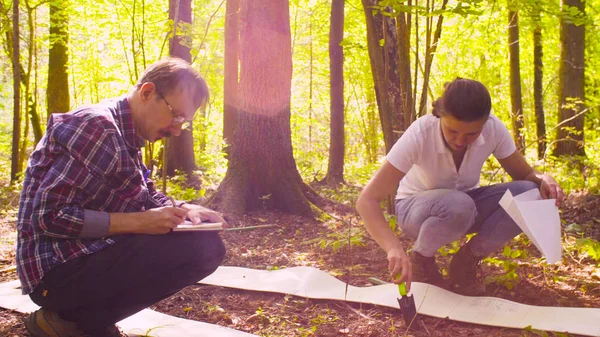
<point>297,241</point>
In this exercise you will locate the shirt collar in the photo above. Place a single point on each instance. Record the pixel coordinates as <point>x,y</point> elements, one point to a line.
<point>125,122</point>
<point>440,144</point>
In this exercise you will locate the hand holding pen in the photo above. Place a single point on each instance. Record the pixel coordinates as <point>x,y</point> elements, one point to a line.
<point>174,204</point>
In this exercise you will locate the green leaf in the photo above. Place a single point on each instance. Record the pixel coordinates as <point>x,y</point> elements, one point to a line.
<point>507,251</point>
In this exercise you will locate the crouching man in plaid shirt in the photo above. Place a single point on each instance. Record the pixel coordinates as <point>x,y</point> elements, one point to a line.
<point>95,243</point>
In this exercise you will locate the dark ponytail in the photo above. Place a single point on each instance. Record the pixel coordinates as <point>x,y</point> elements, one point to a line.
<point>464,99</point>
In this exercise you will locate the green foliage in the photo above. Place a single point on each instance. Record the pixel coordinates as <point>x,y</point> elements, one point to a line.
<point>340,239</point>
<point>176,189</point>
<point>542,333</point>
<point>510,277</point>
<point>589,247</point>
<point>449,249</point>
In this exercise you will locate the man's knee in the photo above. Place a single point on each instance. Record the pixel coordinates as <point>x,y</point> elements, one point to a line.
<point>205,251</point>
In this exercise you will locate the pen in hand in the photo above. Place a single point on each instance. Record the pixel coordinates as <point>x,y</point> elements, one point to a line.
<point>172,201</point>
<point>174,204</point>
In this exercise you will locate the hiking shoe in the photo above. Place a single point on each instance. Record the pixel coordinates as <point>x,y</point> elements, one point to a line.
<point>425,269</point>
<point>46,323</point>
<point>465,273</point>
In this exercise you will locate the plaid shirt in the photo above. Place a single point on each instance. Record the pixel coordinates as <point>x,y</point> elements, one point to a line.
<point>87,164</point>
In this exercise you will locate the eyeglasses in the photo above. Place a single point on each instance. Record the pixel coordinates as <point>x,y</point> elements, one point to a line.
<point>177,119</point>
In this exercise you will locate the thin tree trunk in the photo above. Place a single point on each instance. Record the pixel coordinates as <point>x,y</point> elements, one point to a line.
<point>232,38</point>
<point>335,170</point>
<point>180,150</point>
<point>403,37</point>
<point>515,80</point>
<point>430,53</point>
<point>14,172</point>
<point>262,172</point>
<point>571,86</point>
<point>538,96</point>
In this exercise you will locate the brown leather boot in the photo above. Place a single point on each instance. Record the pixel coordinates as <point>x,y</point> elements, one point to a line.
<point>465,273</point>
<point>46,323</point>
<point>425,269</point>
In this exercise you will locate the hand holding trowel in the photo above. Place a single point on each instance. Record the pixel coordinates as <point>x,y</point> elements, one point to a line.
<point>407,304</point>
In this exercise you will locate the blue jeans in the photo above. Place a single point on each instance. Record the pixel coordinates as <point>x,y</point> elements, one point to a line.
<point>435,218</point>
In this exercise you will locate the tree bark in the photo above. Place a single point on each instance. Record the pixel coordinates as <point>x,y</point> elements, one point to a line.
<point>382,42</point>
<point>335,170</point>
<point>406,91</point>
<point>57,92</point>
<point>538,96</point>
<point>262,172</point>
<point>570,135</point>
<point>232,38</point>
<point>516,99</point>
<point>429,54</point>
<point>180,150</point>
<point>16,67</point>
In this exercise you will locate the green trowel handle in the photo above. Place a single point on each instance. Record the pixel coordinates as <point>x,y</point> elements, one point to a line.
<point>402,289</point>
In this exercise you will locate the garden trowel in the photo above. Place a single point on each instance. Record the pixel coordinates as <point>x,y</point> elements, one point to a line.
<point>407,304</point>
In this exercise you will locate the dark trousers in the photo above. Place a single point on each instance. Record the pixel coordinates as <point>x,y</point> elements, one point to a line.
<point>100,289</point>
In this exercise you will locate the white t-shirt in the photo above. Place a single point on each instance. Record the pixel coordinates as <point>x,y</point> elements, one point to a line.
<point>421,153</point>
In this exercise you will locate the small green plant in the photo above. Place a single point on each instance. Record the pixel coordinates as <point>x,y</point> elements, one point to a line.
<point>450,248</point>
<point>543,333</point>
<point>589,247</point>
<point>338,240</point>
<point>510,277</point>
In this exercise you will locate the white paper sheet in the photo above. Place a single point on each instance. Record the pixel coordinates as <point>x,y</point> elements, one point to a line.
<point>313,283</point>
<point>539,220</point>
<point>430,300</point>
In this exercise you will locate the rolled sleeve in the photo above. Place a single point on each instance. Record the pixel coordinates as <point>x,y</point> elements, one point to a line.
<point>95,224</point>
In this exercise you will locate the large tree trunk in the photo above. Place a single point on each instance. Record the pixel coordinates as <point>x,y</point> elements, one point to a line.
<point>16,67</point>
<point>384,66</point>
<point>538,95</point>
<point>515,80</point>
<point>571,86</point>
<point>262,172</point>
<point>57,93</point>
<point>180,152</point>
<point>335,170</point>
<point>232,38</point>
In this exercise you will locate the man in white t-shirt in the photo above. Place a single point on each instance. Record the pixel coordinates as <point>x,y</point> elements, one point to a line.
<point>436,165</point>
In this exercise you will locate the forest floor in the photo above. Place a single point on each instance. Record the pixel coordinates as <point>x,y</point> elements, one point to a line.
<point>297,241</point>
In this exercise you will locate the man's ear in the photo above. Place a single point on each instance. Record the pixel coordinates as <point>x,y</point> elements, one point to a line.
<point>146,90</point>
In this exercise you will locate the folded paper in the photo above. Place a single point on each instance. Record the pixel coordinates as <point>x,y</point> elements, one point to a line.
<point>539,220</point>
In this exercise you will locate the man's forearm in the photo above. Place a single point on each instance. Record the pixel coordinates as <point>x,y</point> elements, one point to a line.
<point>125,223</point>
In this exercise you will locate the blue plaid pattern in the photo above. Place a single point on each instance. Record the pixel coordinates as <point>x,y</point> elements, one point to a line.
<point>89,159</point>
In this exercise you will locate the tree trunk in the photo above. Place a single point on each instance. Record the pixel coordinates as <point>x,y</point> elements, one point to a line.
<point>335,170</point>
<point>180,152</point>
<point>571,86</point>
<point>515,80</point>
<point>384,67</point>
<point>429,54</point>
<point>57,93</point>
<point>406,92</point>
<point>262,172</point>
<point>538,96</point>
<point>232,38</point>
<point>14,172</point>
<point>370,127</point>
